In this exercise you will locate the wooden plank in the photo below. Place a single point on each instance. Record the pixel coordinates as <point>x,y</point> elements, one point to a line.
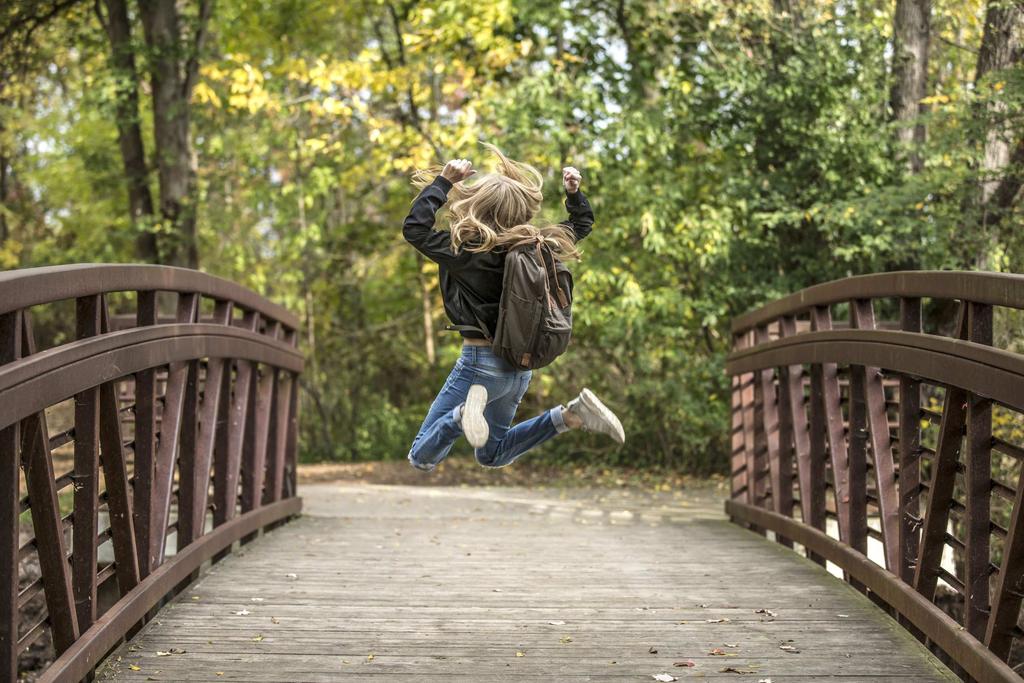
<point>870,378</point>
<point>170,438</point>
<point>835,432</point>
<point>115,477</point>
<point>86,474</point>
<point>10,351</point>
<point>910,452</point>
<point>304,602</point>
<point>46,522</point>
<point>940,491</point>
<point>978,484</point>
<point>145,444</point>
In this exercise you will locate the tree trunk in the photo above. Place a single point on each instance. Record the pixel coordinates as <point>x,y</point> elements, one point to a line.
<point>428,312</point>
<point>1001,45</point>
<point>911,31</point>
<point>129,130</point>
<point>172,77</point>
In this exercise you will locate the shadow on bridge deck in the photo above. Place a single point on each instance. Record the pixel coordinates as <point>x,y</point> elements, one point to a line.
<point>442,584</point>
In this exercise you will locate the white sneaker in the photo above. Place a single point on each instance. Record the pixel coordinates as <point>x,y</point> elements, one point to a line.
<point>596,416</point>
<point>474,425</point>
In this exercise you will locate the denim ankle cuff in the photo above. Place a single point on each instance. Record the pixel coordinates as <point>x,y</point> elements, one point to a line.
<point>558,420</point>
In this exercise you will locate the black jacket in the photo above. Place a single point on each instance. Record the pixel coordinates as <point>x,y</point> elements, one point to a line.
<point>470,281</point>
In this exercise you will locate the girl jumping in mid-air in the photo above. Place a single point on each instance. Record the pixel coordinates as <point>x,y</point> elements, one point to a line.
<point>481,395</point>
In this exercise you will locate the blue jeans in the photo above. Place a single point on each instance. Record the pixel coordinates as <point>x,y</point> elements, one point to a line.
<point>505,388</point>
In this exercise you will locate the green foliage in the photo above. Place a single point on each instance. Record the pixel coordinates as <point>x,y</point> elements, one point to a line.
<point>732,154</point>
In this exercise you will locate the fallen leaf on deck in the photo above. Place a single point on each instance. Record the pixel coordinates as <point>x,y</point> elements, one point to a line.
<point>168,653</point>
<point>134,668</point>
<point>685,662</point>
<point>557,623</point>
<point>664,678</point>
<point>256,599</point>
<point>766,612</point>
<point>734,670</point>
<point>653,650</point>
<point>369,657</point>
<point>789,648</point>
<point>291,576</point>
<point>219,673</point>
<point>275,620</point>
<point>243,613</point>
<point>730,644</point>
<point>520,654</point>
<point>565,639</point>
<point>843,616</point>
<point>717,652</point>
<point>716,621</point>
<point>258,638</point>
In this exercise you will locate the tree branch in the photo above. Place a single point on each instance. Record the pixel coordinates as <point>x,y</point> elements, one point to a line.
<point>192,65</point>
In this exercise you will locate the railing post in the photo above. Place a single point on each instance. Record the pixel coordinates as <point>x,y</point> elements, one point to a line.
<point>940,491</point>
<point>145,444</point>
<point>86,475</point>
<point>978,480</point>
<point>10,351</point>
<point>910,452</point>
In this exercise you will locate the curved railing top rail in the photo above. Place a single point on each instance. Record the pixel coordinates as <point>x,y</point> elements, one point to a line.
<point>995,289</point>
<point>33,286</point>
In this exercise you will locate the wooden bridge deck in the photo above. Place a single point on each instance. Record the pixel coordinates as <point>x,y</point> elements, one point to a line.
<point>455,584</point>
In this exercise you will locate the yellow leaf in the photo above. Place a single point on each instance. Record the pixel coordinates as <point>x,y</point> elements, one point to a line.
<point>520,654</point>
<point>134,668</point>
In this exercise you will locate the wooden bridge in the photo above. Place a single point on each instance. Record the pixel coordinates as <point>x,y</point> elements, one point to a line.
<point>151,525</point>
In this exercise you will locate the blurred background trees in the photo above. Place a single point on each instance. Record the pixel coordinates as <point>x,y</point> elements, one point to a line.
<point>733,152</point>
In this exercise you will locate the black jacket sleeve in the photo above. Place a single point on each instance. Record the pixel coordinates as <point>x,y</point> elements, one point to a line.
<point>581,216</point>
<point>418,228</point>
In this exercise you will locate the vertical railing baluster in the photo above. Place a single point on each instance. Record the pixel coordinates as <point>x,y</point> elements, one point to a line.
<point>793,432</point>
<point>781,474</point>
<point>46,518</point>
<point>115,480</point>
<point>216,383</point>
<point>737,459</point>
<point>170,434</point>
<point>863,318</point>
<point>821,321</point>
<point>255,474</point>
<point>10,351</point>
<point>978,481</point>
<point>910,452</point>
<point>187,458</point>
<point>292,441</point>
<point>940,490</point>
<point>817,441</point>
<point>226,494</point>
<point>86,475</point>
<point>749,435</point>
<point>145,443</point>
<point>857,448</point>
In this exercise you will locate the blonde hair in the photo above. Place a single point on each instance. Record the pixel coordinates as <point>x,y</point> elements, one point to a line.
<point>495,210</point>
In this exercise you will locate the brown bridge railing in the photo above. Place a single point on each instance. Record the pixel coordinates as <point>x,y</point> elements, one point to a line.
<point>894,450</point>
<point>138,451</point>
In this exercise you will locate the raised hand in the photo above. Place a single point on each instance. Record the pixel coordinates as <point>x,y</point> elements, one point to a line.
<point>571,178</point>
<point>457,170</point>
